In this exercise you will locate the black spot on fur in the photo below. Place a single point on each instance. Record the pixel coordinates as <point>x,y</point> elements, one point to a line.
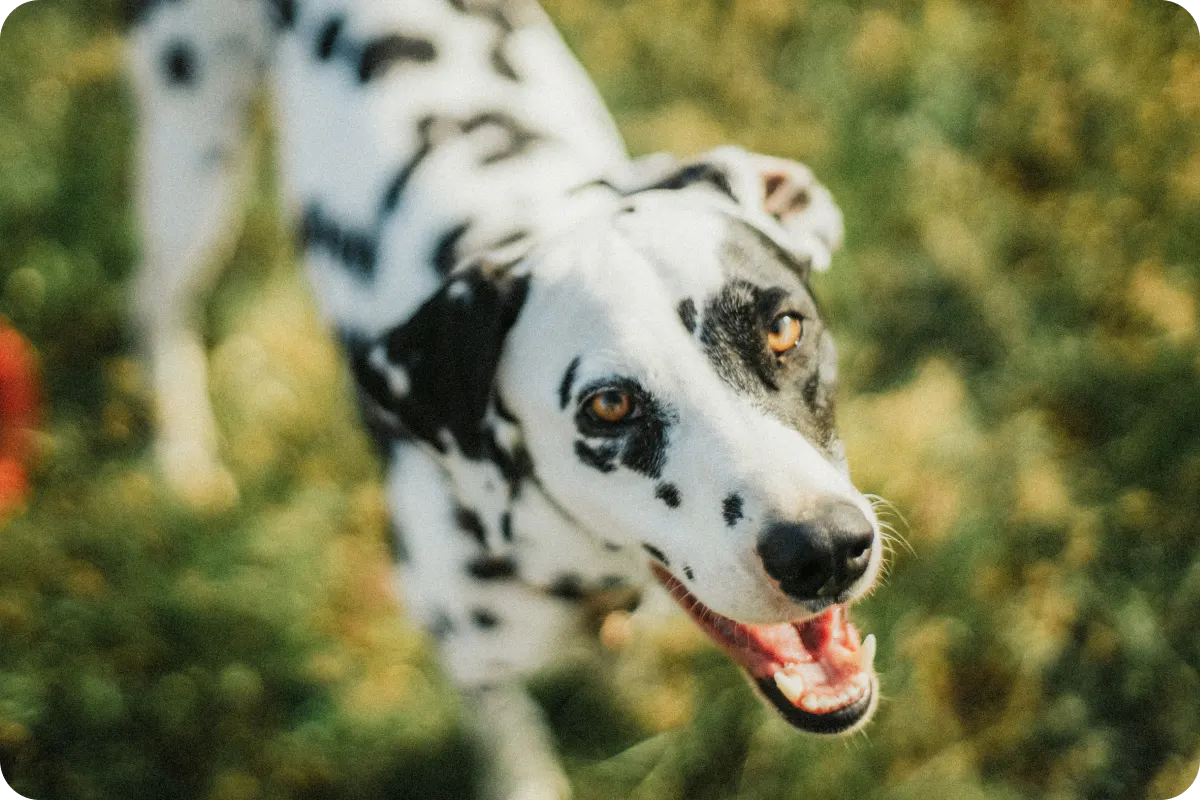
<point>517,138</point>
<point>450,349</point>
<point>669,494</point>
<point>610,582</point>
<point>441,625</point>
<point>691,575</point>
<point>613,547</point>
<point>283,13</point>
<point>484,619</point>
<point>506,529</point>
<point>395,190</point>
<point>504,412</point>
<point>687,314</point>
<point>517,235</point>
<point>445,253</point>
<point>380,55</point>
<point>358,252</point>
<point>567,587</point>
<point>568,383</point>
<point>693,174</point>
<point>656,554</point>
<point>327,37</point>
<point>503,26</point>
<point>516,467</point>
<point>731,509</point>
<point>492,568</point>
<point>370,383</point>
<point>811,387</point>
<point>469,522</point>
<point>598,183</point>
<point>394,540</point>
<point>136,11</point>
<point>600,458</point>
<point>355,249</point>
<point>179,64</point>
<point>502,65</point>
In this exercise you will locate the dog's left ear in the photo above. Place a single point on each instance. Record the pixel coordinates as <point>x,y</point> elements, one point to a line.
<point>433,377</point>
<point>783,196</point>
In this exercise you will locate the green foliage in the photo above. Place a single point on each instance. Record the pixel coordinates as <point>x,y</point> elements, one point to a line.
<point>1016,311</point>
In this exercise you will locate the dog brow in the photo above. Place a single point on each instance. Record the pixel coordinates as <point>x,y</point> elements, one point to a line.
<point>568,383</point>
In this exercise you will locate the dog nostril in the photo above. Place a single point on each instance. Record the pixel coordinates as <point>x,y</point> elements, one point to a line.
<point>820,557</point>
<point>853,539</point>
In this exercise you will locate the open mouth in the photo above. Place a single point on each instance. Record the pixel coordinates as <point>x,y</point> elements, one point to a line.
<point>817,673</point>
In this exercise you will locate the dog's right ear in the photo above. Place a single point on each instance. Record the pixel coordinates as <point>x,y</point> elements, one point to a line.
<point>433,377</point>
<point>782,196</point>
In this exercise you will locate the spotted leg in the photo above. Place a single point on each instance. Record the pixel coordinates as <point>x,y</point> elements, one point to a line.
<point>195,66</point>
<point>491,629</point>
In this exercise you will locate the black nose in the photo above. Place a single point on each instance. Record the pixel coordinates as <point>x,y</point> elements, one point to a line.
<point>822,556</point>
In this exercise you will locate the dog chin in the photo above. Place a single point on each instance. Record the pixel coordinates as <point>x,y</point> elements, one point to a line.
<point>842,721</point>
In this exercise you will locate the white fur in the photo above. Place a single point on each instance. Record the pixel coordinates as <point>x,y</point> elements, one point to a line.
<point>593,294</point>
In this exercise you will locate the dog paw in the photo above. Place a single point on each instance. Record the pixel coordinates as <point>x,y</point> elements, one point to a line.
<point>196,477</point>
<point>540,789</point>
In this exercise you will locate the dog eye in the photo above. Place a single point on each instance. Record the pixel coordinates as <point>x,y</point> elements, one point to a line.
<point>784,333</point>
<point>610,405</point>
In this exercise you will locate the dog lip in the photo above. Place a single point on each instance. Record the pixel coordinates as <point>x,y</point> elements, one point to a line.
<point>804,668</point>
<point>832,723</point>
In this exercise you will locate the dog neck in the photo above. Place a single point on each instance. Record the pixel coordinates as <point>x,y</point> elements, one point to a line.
<point>470,121</point>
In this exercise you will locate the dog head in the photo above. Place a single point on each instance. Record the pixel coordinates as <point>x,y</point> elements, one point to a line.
<point>663,373</point>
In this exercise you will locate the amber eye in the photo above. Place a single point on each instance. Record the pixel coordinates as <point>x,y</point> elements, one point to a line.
<point>611,405</point>
<point>784,333</point>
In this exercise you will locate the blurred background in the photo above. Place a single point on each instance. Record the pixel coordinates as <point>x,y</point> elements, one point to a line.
<point>1016,310</point>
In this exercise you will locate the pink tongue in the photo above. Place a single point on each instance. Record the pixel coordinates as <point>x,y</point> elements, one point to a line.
<point>829,642</point>
<point>819,666</point>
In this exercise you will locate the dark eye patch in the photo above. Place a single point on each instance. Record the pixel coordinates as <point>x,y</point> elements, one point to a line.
<point>796,387</point>
<point>637,442</point>
<point>590,425</point>
<point>734,334</point>
<point>601,458</point>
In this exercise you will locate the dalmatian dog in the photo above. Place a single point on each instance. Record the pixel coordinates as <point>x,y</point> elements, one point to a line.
<point>588,373</point>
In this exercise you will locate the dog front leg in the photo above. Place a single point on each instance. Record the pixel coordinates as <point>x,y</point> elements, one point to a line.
<point>522,760</point>
<point>491,629</point>
<point>195,66</point>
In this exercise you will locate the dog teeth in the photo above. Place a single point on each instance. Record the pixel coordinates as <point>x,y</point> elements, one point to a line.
<point>791,685</point>
<point>818,702</point>
<point>867,659</point>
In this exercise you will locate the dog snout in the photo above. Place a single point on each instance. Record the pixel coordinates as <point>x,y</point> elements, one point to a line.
<point>822,556</point>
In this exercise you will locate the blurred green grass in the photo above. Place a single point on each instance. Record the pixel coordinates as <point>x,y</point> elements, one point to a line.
<point>1016,312</point>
